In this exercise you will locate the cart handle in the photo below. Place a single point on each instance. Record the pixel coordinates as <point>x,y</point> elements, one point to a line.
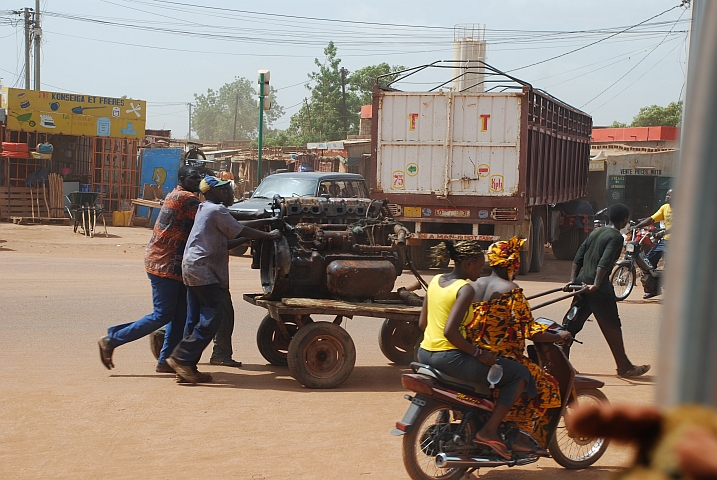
<point>574,286</point>
<point>560,299</point>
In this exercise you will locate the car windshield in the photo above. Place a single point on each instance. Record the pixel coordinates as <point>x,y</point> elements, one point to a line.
<point>286,186</point>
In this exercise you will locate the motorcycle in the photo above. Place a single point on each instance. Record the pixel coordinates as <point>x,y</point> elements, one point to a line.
<point>624,275</point>
<point>446,412</point>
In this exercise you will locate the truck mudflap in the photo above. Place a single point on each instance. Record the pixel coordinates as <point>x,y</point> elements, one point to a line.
<point>418,403</point>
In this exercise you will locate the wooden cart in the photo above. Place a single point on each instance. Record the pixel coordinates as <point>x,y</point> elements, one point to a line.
<point>322,354</point>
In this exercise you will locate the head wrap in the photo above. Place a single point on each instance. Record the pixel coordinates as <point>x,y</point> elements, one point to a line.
<point>458,251</point>
<point>506,254</point>
<point>208,183</point>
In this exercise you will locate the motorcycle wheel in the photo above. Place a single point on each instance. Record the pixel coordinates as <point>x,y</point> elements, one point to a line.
<point>623,281</point>
<point>570,450</point>
<point>420,445</point>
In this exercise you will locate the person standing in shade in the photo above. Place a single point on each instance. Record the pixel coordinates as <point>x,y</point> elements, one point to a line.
<point>591,267</point>
<point>664,214</point>
<point>163,263</point>
<point>205,270</point>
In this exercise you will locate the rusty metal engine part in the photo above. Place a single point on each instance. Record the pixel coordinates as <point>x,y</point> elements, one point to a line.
<point>332,248</point>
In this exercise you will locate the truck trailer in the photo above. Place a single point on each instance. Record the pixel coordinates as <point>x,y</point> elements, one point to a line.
<point>460,165</point>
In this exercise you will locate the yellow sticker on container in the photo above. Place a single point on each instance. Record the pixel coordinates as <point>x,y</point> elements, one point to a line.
<point>413,212</point>
<point>412,169</point>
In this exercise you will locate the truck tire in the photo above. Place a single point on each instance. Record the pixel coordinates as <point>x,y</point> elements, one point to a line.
<point>537,244</point>
<point>526,258</point>
<point>419,257</point>
<point>567,244</point>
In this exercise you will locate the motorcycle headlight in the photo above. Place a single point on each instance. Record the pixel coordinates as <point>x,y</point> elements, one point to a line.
<point>630,248</point>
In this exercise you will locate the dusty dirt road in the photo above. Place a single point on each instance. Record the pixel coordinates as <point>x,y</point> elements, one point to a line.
<point>63,415</point>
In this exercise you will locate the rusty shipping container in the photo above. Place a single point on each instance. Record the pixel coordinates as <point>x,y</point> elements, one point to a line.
<point>483,165</point>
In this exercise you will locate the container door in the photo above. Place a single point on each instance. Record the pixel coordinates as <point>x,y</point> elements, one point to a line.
<point>485,145</point>
<point>412,133</point>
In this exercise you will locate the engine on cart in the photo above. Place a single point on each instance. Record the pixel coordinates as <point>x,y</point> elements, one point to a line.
<point>332,248</point>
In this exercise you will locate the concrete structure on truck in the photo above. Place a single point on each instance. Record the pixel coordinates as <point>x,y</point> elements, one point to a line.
<point>511,160</point>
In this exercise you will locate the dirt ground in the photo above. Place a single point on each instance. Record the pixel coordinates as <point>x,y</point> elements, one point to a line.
<point>63,415</point>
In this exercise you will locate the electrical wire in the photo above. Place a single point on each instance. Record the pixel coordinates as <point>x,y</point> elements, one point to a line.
<point>633,68</point>
<point>593,43</point>
<point>635,81</point>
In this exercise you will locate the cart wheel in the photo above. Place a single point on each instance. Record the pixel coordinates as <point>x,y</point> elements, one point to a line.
<point>397,340</point>
<point>156,341</point>
<point>321,355</point>
<point>272,345</point>
<point>32,123</point>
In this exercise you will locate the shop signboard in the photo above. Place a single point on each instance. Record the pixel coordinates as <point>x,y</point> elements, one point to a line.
<point>74,114</point>
<point>160,167</point>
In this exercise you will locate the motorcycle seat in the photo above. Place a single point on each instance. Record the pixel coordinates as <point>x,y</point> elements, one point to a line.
<point>478,388</point>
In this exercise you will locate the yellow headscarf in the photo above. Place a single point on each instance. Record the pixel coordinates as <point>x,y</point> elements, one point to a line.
<point>506,254</point>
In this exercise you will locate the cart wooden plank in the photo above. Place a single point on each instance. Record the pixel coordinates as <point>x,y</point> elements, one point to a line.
<point>299,306</point>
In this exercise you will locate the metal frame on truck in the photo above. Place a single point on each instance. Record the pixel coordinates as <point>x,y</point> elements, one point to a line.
<point>546,164</point>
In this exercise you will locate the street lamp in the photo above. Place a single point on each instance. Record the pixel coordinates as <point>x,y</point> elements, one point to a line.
<point>264,91</point>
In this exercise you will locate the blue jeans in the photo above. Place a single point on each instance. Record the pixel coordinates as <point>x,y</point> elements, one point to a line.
<point>654,255</point>
<point>215,308</point>
<point>222,350</point>
<point>170,308</point>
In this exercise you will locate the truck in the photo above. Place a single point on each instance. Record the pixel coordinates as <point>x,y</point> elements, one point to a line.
<point>487,165</point>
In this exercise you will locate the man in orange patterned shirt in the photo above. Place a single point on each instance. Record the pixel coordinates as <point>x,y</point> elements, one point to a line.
<point>163,263</point>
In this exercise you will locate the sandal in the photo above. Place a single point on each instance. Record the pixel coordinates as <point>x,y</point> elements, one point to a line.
<point>496,446</point>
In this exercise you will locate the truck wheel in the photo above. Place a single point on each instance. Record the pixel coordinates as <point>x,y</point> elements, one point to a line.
<point>321,355</point>
<point>397,340</point>
<point>272,345</point>
<point>419,257</point>
<point>239,251</point>
<point>567,244</point>
<point>526,258</point>
<point>537,244</point>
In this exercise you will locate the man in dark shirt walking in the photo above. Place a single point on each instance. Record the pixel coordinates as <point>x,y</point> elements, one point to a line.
<point>591,267</point>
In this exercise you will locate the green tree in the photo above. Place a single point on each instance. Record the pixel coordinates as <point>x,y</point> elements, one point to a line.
<point>655,116</point>
<point>616,124</point>
<point>361,81</point>
<point>321,117</point>
<point>213,113</point>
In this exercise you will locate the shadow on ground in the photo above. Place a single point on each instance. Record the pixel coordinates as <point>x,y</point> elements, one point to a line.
<point>385,378</point>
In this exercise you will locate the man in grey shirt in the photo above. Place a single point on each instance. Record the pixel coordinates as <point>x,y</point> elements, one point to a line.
<point>205,271</point>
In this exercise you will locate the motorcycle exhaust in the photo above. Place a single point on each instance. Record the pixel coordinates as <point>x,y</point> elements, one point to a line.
<point>464,461</point>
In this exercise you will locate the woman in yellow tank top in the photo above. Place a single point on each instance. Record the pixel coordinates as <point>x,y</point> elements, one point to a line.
<point>445,310</point>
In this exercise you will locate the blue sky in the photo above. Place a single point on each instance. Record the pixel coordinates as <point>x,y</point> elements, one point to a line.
<point>177,48</point>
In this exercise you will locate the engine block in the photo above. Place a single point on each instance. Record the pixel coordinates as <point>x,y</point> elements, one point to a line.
<point>332,248</point>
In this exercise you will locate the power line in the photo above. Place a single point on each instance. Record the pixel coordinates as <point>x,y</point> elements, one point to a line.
<point>635,81</point>
<point>633,68</point>
<point>594,43</point>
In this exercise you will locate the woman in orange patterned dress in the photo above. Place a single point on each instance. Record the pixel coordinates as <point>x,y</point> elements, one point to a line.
<point>501,323</point>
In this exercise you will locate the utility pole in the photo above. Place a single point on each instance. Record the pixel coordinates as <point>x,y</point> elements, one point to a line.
<point>236,108</point>
<point>37,34</point>
<point>344,72</point>
<point>189,133</point>
<point>28,40</point>
<point>308,111</point>
<point>264,91</point>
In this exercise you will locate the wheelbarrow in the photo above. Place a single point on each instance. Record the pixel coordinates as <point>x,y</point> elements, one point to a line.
<point>24,117</point>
